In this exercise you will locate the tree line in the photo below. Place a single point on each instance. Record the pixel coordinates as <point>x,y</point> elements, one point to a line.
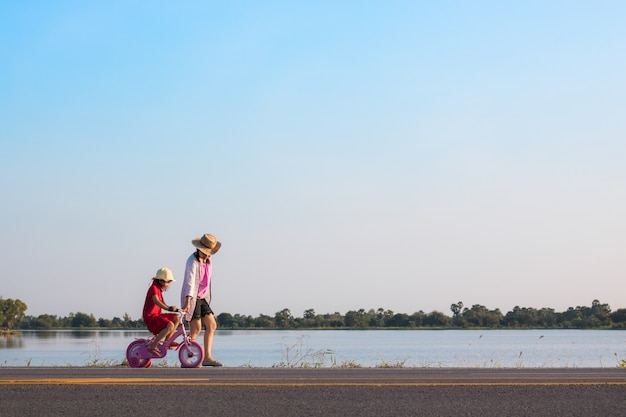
<point>596,316</point>
<point>80,320</point>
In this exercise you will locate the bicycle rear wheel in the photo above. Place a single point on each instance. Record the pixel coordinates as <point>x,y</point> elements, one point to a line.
<point>134,355</point>
<point>190,355</point>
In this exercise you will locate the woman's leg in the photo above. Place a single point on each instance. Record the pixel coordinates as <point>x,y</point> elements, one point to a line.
<point>195,325</point>
<point>210,325</point>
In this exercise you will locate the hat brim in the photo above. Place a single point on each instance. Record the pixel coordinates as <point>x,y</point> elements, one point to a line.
<point>164,280</point>
<point>204,249</point>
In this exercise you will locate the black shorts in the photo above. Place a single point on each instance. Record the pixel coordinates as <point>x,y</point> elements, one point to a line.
<point>202,309</point>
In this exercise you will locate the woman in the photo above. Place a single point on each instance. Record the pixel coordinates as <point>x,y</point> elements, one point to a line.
<point>196,294</point>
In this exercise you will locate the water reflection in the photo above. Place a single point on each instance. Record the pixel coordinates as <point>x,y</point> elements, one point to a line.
<point>44,334</point>
<point>10,341</point>
<point>82,334</point>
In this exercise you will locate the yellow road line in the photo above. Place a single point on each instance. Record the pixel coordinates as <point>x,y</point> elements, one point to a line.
<point>115,381</point>
<point>287,383</point>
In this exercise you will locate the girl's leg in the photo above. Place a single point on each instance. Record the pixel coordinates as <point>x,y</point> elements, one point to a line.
<point>174,327</point>
<point>161,335</point>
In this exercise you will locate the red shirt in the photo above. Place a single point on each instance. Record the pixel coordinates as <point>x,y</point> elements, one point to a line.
<point>153,317</point>
<point>150,308</point>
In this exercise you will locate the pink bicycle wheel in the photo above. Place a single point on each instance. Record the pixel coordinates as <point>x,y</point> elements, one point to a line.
<point>191,355</point>
<point>134,355</point>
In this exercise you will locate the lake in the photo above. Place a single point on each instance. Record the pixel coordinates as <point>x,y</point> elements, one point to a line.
<point>367,348</point>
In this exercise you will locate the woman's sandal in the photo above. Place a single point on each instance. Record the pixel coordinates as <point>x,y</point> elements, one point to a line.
<point>207,362</point>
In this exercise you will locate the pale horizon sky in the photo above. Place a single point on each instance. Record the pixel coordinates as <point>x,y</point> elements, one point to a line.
<point>403,155</point>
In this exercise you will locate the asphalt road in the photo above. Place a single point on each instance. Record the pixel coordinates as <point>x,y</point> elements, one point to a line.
<point>362,392</point>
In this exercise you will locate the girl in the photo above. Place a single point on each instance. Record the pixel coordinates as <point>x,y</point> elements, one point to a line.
<point>161,324</point>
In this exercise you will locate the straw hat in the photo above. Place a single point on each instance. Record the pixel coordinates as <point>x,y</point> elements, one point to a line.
<point>207,244</point>
<point>164,274</point>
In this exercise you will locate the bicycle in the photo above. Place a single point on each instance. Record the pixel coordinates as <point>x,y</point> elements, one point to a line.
<point>190,352</point>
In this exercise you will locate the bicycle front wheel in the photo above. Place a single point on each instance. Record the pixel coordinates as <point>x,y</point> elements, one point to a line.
<point>190,355</point>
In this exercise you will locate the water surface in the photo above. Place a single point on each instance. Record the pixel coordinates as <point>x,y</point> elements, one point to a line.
<point>368,348</point>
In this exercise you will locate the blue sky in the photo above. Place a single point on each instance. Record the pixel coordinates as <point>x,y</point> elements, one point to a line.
<point>403,155</point>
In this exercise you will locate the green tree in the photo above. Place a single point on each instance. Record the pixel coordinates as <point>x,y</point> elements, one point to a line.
<point>309,318</point>
<point>264,322</point>
<point>284,319</point>
<point>399,320</point>
<point>84,320</point>
<point>547,318</point>
<point>384,316</point>
<point>128,322</point>
<point>104,322</point>
<point>573,317</point>
<point>480,316</point>
<point>355,319</point>
<point>44,321</point>
<point>242,321</point>
<point>600,313</point>
<point>225,320</point>
<point>456,309</point>
<point>378,319</point>
<point>418,319</point>
<point>12,312</point>
<point>619,315</point>
<point>521,317</point>
<point>436,319</point>
<point>581,317</point>
<point>335,319</point>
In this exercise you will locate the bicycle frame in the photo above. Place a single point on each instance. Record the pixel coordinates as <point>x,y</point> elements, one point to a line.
<point>190,352</point>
